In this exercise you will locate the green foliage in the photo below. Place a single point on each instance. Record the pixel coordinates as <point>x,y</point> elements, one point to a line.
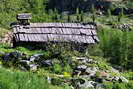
<point>93,13</point>
<point>57,68</point>
<point>23,80</point>
<point>57,81</point>
<point>77,14</point>
<point>115,45</point>
<point>82,16</point>
<point>97,74</point>
<point>68,68</point>
<point>109,85</point>
<point>120,16</point>
<point>109,13</point>
<point>3,32</point>
<point>95,51</point>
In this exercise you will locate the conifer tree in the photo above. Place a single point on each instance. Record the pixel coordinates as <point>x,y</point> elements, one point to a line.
<point>82,16</point>
<point>77,14</point>
<point>93,13</point>
<point>68,18</point>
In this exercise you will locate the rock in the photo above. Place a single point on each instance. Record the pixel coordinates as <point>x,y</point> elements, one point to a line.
<point>13,56</point>
<point>81,68</point>
<point>28,65</point>
<point>90,60</point>
<point>33,67</point>
<point>99,80</point>
<point>25,62</point>
<point>91,71</point>
<point>86,85</point>
<point>82,59</point>
<point>123,79</point>
<point>114,70</point>
<point>38,58</point>
<point>104,74</point>
<point>35,57</point>
<point>49,79</point>
<point>76,72</point>
<point>85,77</point>
<point>46,63</point>
<point>99,86</point>
<point>7,57</point>
<point>22,68</point>
<point>116,78</point>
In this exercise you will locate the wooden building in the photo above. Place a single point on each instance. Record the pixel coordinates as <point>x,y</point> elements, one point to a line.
<point>26,32</point>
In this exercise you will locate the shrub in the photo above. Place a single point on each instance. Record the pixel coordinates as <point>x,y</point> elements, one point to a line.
<point>57,69</point>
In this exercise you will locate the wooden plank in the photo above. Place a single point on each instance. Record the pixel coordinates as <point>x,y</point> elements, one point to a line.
<point>37,37</point>
<point>17,37</point>
<point>33,36</point>
<point>29,37</point>
<point>65,38</point>
<point>49,37</point>
<point>94,32</point>
<point>33,30</point>
<point>82,39</point>
<point>25,37</point>
<point>66,31</point>
<point>21,37</point>
<point>53,30</point>
<point>91,39</point>
<point>44,37</point>
<point>60,31</point>
<point>96,38</point>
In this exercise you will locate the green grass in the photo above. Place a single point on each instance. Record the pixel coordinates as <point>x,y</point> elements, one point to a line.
<point>3,32</point>
<point>10,79</point>
<point>6,48</point>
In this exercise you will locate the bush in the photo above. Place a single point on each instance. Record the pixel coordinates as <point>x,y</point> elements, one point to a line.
<point>57,69</point>
<point>116,46</point>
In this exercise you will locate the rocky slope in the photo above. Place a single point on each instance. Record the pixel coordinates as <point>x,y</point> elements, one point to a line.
<point>86,72</point>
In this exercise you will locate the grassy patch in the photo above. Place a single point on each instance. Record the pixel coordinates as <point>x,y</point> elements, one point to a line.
<point>3,32</point>
<point>10,79</point>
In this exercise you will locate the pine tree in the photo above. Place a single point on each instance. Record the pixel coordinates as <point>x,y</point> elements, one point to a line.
<point>82,16</point>
<point>69,18</point>
<point>93,13</point>
<point>77,14</point>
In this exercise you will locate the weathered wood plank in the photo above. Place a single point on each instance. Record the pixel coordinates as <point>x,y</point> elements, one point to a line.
<point>94,32</point>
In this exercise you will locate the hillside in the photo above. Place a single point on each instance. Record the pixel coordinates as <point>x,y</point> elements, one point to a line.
<point>47,10</point>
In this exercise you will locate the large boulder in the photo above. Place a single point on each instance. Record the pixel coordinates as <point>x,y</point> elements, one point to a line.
<point>33,67</point>
<point>84,60</point>
<point>46,63</point>
<point>91,70</point>
<point>123,79</point>
<point>13,57</point>
<point>36,57</point>
<point>86,85</point>
<point>28,65</point>
<point>81,68</point>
